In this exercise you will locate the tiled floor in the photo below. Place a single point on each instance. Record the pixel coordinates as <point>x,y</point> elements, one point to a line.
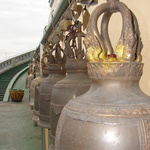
<point>17,131</point>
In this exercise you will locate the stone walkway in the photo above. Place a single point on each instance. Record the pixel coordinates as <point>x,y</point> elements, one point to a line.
<point>17,131</point>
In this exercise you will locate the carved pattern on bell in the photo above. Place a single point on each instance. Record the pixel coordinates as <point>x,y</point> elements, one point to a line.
<point>115,70</point>
<point>145,124</point>
<point>57,108</point>
<point>119,110</point>
<point>142,129</point>
<point>45,97</point>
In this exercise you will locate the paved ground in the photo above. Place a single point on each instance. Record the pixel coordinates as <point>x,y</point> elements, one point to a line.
<point>16,127</point>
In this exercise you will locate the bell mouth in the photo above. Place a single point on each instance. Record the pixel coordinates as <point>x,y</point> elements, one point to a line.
<point>115,70</point>
<point>76,65</point>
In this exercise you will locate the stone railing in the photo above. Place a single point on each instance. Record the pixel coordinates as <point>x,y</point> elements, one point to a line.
<point>15,61</point>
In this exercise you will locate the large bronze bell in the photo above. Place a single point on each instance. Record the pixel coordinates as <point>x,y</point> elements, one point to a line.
<point>114,114</point>
<point>76,81</point>
<point>35,82</point>
<point>56,73</point>
<point>35,117</point>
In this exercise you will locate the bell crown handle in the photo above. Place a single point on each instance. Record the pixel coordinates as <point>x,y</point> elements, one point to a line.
<point>73,42</point>
<point>98,44</point>
<point>56,55</point>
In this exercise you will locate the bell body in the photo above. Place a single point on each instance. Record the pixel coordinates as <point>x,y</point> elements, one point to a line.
<point>37,91</point>
<point>114,114</point>
<point>74,84</point>
<point>35,82</point>
<point>28,80</point>
<point>46,87</point>
<point>36,99</point>
<point>35,117</point>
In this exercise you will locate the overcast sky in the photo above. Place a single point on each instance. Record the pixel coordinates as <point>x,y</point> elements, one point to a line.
<point>21,25</point>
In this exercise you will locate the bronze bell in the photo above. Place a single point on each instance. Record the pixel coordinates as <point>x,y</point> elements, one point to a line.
<point>35,117</point>
<point>76,81</point>
<point>56,73</point>
<point>114,114</point>
<point>35,82</point>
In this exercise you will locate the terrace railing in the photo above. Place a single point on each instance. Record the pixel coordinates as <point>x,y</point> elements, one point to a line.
<point>15,61</point>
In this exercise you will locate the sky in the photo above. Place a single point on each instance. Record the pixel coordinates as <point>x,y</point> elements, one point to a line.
<point>21,25</point>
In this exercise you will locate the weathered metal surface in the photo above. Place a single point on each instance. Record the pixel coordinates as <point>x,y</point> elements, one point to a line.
<point>114,114</point>
<point>56,73</point>
<point>35,82</point>
<point>46,87</point>
<point>76,81</point>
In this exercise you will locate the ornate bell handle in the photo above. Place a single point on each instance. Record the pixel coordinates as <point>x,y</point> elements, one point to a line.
<point>56,55</point>
<point>71,50</point>
<point>99,45</point>
<point>104,32</point>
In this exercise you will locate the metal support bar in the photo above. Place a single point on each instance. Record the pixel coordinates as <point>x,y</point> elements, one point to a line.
<point>45,138</point>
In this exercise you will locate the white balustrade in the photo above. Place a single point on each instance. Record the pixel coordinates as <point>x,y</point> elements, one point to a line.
<point>15,61</point>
